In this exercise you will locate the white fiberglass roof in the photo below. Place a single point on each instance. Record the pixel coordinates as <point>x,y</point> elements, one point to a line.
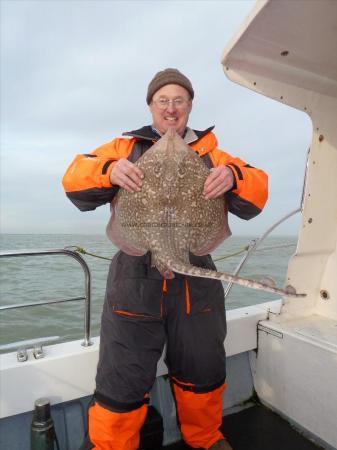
<point>293,42</point>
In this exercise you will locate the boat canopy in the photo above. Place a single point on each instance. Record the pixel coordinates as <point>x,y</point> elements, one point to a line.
<point>290,43</point>
<point>286,50</point>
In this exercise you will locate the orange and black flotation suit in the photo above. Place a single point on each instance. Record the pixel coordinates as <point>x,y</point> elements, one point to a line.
<point>87,180</point>
<point>142,312</point>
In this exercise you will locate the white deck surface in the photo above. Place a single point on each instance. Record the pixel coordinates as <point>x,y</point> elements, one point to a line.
<point>68,370</point>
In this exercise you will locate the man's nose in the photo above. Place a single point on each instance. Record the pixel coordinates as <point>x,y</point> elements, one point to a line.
<point>171,106</point>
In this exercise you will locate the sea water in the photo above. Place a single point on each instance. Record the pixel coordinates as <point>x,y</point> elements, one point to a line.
<point>46,278</point>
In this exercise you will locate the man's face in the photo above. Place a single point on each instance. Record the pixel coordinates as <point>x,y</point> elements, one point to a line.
<point>175,113</point>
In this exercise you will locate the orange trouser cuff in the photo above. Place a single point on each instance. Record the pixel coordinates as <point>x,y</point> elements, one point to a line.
<point>200,416</point>
<point>115,431</point>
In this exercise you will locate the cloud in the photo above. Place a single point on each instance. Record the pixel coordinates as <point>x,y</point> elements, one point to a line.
<point>75,74</point>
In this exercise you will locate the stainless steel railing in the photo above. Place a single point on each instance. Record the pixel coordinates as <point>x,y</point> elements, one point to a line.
<point>254,244</point>
<point>87,298</point>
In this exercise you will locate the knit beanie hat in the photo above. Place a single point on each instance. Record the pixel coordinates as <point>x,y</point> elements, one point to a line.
<point>168,76</point>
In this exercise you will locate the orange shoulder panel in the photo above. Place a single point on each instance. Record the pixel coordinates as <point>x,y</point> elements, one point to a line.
<point>251,184</point>
<point>92,170</point>
<point>205,144</point>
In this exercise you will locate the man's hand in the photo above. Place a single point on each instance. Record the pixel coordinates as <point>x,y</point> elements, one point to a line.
<point>219,181</point>
<point>126,175</point>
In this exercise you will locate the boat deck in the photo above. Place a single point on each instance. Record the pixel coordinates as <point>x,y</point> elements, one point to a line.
<point>258,428</point>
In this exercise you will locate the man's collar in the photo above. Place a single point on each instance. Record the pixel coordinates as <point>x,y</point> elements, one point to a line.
<point>189,135</point>
<point>151,134</point>
<point>146,133</point>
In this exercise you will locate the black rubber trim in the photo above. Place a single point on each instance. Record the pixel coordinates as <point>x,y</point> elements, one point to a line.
<point>146,133</point>
<point>207,160</point>
<point>119,406</point>
<point>138,150</point>
<point>241,208</point>
<point>106,166</point>
<point>237,170</point>
<point>235,185</point>
<point>90,199</point>
<point>199,389</point>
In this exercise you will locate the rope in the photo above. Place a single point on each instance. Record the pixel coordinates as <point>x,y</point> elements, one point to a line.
<point>84,252</point>
<point>220,258</point>
<point>244,249</point>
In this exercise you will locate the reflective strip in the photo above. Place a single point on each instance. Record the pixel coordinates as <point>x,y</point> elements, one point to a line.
<point>187,298</point>
<point>182,383</point>
<point>165,290</point>
<point>235,185</point>
<point>185,386</point>
<point>129,314</point>
<point>237,170</point>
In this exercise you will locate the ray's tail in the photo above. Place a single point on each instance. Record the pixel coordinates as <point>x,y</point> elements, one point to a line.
<point>194,271</point>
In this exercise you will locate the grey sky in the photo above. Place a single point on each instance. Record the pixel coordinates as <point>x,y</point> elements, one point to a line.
<point>74,75</point>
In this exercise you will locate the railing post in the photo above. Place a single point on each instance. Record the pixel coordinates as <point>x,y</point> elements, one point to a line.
<point>87,300</point>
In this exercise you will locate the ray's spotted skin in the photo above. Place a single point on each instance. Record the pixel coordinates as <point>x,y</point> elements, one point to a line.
<point>170,217</point>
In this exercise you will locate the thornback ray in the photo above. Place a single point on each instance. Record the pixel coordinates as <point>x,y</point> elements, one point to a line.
<point>170,217</point>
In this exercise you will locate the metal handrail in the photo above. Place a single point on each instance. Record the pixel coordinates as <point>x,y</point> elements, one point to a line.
<point>87,298</point>
<point>273,247</point>
<point>304,185</point>
<point>256,242</point>
<point>253,245</point>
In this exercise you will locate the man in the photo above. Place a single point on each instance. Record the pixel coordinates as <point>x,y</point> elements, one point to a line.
<point>142,311</point>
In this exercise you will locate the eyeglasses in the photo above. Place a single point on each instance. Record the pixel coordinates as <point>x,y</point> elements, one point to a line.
<point>178,103</point>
